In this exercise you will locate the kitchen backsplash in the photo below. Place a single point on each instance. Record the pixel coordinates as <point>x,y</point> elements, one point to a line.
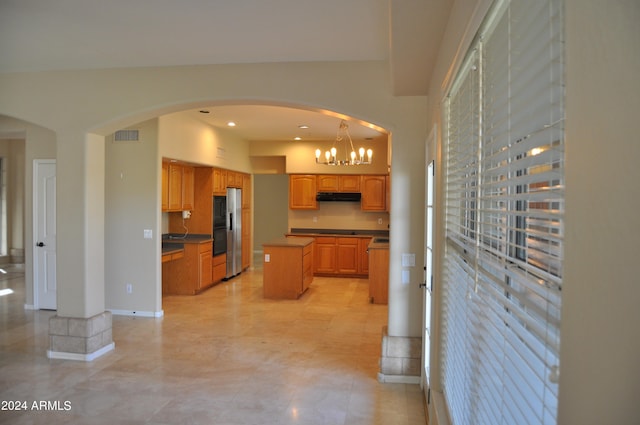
<point>338,215</point>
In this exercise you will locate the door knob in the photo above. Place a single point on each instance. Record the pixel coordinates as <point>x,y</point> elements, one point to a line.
<point>40,244</point>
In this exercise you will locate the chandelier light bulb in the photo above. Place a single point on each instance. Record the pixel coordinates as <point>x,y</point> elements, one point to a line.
<point>343,142</point>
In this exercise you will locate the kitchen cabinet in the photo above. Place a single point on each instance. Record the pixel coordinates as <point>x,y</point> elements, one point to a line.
<point>187,187</point>
<point>379,273</point>
<point>177,187</point>
<point>363,255</point>
<point>374,193</point>
<point>341,256</point>
<point>288,267</point>
<point>219,268</point>
<point>338,183</point>
<point>246,191</point>
<point>246,238</point>
<point>347,255</point>
<point>325,252</point>
<point>205,269</point>
<point>219,182</point>
<point>302,192</point>
<point>190,274</point>
<point>165,186</point>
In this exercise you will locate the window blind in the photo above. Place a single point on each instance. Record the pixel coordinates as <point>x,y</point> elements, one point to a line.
<point>502,276</point>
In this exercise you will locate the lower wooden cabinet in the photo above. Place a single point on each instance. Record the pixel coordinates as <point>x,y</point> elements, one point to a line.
<point>190,274</point>
<point>341,256</point>
<point>379,275</point>
<point>288,267</point>
<point>219,268</point>
<point>347,255</point>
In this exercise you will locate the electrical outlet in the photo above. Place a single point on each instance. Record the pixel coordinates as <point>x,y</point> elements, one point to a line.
<point>129,288</point>
<point>379,221</point>
<point>267,258</point>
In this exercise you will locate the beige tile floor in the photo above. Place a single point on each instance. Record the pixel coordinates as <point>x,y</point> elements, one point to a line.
<point>227,356</point>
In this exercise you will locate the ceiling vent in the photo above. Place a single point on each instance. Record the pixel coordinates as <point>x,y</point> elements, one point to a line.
<point>124,136</point>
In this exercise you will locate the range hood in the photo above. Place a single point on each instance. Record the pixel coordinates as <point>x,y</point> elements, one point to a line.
<point>338,197</point>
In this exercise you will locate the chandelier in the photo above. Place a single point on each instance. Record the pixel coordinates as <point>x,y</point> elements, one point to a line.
<point>350,156</point>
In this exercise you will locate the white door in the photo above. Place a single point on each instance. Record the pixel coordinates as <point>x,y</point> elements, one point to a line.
<point>44,233</point>
<point>428,276</point>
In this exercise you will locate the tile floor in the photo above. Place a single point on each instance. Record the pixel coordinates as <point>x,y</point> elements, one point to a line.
<point>227,356</point>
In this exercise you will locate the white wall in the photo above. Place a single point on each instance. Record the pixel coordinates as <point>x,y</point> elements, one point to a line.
<point>600,347</point>
<point>132,203</point>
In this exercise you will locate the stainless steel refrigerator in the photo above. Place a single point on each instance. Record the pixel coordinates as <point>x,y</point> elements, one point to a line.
<point>234,232</point>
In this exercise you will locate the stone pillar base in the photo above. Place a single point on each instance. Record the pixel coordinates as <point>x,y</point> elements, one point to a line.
<point>401,359</point>
<point>73,338</point>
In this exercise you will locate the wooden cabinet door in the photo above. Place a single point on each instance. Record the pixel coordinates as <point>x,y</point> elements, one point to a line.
<point>246,238</point>
<point>363,248</point>
<point>302,192</point>
<point>347,255</point>
<point>373,189</point>
<point>219,182</point>
<point>188,174</point>
<point>165,186</point>
<point>204,269</point>
<point>328,183</point>
<point>349,183</point>
<point>325,251</point>
<point>246,191</point>
<point>175,187</point>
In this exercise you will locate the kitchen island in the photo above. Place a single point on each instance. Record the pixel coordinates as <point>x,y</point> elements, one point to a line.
<point>288,267</point>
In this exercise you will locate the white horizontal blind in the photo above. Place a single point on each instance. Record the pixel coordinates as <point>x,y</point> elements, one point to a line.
<point>504,206</point>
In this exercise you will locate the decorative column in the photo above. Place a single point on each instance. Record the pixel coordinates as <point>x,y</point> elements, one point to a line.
<point>81,330</point>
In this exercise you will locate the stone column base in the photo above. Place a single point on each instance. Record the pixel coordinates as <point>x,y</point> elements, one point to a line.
<point>73,338</point>
<point>401,359</point>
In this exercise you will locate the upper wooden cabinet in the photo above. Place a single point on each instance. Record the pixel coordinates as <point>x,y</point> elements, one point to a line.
<point>165,186</point>
<point>338,183</point>
<point>302,192</point>
<point>177,186</point>
<point>219,182</point>
<point>374,193</point>
<point>187,187</point>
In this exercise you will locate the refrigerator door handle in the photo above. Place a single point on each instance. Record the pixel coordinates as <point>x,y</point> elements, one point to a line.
<point>231,221</point>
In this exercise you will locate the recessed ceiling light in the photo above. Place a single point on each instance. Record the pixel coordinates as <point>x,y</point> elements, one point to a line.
<point>231,124</point>
<point>303,126</point>
<point>297,138</point>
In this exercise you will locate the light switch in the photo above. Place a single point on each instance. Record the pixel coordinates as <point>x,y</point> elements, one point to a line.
<point>406,277</point>
<point>148,233</point>
<point>267,258</point>
<point>408,260</point>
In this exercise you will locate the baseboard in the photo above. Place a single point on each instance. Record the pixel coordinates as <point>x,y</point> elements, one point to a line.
<point>137,313</point>
<point>398,379</point>
<point>81,357</point>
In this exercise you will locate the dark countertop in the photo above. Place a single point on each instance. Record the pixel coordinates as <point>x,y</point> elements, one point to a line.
<point>179,238</point>
<point>292,242</point>
<point>174,242</point>
<point>171,248</point>
<point>338,232</point>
